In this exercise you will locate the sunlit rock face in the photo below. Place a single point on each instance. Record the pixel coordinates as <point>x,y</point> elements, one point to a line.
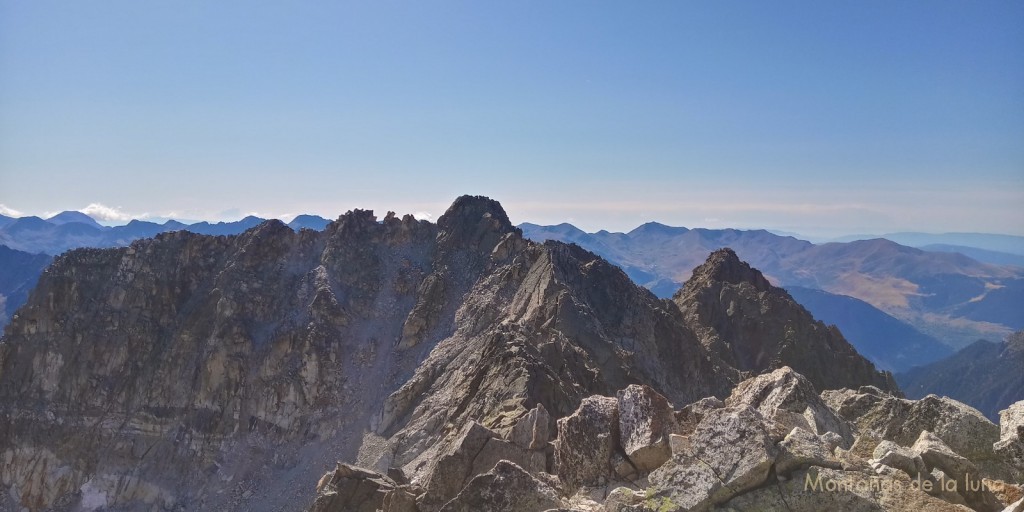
<point>230,373</point>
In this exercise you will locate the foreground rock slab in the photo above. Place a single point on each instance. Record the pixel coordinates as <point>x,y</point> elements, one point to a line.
<point>506,488</point>
<point>729,453</point>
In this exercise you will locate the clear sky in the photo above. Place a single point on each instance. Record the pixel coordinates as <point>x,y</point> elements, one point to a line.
<point>814,117</point>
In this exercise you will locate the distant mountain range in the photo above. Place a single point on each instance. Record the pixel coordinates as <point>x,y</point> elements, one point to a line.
<point>948,296</point>
<point>309,222</point>
<point>69,230</point>
<point>983,255</point>
<point>69,217</point>
<point>990,242</point>
<point>986,375</point>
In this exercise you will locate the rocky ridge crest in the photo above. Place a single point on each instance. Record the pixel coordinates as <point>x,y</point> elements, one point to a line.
<point>226,373</point>
<point>774,444</point>
<point>755,327</point>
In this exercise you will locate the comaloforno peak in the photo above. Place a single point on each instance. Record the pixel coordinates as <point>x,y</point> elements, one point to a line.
<point>447,366</point>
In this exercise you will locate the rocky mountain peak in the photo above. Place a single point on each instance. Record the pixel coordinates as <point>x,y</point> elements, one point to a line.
<point>757,327</point>
<point>470,211</point>
<point>70,216</point>
<point>355,220</point>
<point>725,266</point>
<point>474,223</point>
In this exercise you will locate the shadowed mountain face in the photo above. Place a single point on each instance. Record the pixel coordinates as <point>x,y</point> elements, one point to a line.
<point>755,326</point>
<point>69,230</point>
<point>985,375</point>
<point>948,296</point>
<point>19,275</point>
<point>889,343</point>
<point>228,373</point>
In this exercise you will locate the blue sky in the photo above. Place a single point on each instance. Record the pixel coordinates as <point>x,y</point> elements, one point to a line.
<point>815,117</point>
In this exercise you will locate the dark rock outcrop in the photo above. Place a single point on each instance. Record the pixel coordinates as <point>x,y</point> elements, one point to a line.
<point>352,489</point>
<point>506,488</point>
<point>19,272</point>
<point>757,327</point>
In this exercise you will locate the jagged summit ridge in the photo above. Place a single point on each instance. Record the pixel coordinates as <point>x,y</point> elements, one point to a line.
<point>723,265</point>
<point>375,342</point>
<point>468,210</point>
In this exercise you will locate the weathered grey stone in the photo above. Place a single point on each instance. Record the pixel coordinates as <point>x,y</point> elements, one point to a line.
<point>689,417</point>
<point>936,454</point>
<point>399,500</point>
<point>531,431</point>
<point>646,420</point>
<point>623,499</point>
<point>623,468</point>
<point>586,441</point>
<point>945,487</point>
<point>884,416</point>
<point>506,488</point>
<point>801,449</point>
<point>1010,446</point>
<point>730,452</point>
<point>428,305</point>
<point>351,489</point>
<point>476,451</point>
<point>455,467</point>
<point>789,400</point>
<point>397,475</point>
<point>498,449</point>
<point>832,441</point>
<point>679,444</point>
<point>895,456</point>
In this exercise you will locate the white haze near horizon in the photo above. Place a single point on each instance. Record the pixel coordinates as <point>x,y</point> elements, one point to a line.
<point>814,221</point>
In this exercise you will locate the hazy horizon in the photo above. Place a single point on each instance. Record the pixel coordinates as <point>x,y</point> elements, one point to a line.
<point>111,217</point>
<point>818,119</point>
